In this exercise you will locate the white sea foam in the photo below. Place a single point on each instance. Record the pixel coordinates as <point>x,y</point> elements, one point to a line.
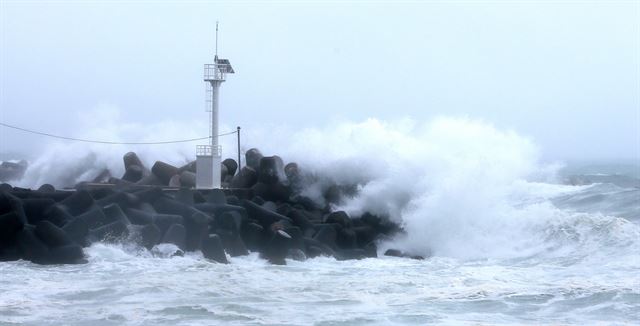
<point>126,286</point>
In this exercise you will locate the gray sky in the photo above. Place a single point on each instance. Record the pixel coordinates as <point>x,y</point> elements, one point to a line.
<point>565,74</point>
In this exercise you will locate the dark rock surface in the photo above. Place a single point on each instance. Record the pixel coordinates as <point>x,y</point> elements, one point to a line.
<point>259,210</point>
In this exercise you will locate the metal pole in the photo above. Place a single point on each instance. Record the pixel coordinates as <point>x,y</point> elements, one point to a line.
<point>239,166</point>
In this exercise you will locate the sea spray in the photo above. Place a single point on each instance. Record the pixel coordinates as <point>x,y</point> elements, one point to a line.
<point>65,163</point>
<point>459,187</point>
<point>445,181</point>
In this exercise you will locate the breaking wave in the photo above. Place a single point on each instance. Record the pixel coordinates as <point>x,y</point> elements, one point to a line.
<point>460,187</point>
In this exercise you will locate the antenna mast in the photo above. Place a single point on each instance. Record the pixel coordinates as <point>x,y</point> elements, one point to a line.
<point>216,40</point>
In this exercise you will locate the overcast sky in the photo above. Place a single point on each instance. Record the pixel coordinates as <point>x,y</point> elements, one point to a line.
<point>565,74</point>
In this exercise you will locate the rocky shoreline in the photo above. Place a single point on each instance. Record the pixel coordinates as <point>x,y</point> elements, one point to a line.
<point>259,209</point>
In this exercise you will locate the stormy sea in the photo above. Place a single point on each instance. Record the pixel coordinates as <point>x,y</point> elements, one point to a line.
<point>508,238</point>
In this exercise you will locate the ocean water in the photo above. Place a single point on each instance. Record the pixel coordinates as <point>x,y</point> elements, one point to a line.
<point>514,242</point>
<point>588,273</point>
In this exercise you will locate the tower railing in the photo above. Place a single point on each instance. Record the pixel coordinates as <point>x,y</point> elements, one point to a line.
<point>215,71</point>
<point>208,150</point>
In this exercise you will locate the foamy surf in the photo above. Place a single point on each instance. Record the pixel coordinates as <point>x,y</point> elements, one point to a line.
<point>124,286</point>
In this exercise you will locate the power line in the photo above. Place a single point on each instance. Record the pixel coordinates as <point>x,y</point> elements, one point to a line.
<point>111,142</point>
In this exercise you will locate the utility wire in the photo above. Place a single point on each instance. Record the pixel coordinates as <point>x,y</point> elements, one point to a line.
<point>111,142</point>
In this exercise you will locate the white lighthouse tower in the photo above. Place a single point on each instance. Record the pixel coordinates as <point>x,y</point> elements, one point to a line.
<point>208,157</point>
